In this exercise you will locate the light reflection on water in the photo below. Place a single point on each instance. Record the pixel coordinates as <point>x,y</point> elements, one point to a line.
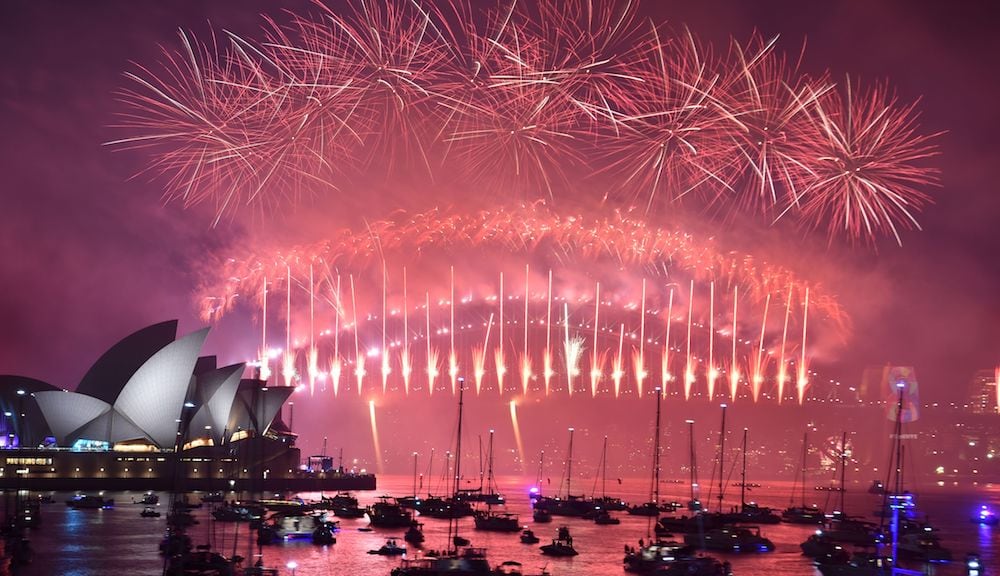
<point>104,542</point>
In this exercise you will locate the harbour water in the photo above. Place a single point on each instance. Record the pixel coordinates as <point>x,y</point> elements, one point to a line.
<point>118,541</point>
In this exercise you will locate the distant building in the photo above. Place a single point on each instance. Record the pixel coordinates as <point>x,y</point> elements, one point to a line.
<point>983,392</point>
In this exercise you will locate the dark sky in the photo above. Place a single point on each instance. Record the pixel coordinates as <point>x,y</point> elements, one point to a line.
<point>90,255</point>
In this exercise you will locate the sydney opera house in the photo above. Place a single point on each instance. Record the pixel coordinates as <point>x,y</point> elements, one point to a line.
<point>153,414</point>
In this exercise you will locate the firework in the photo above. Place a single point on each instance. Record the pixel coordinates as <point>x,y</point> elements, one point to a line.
<point>868,171</point>
<point>524,100</point>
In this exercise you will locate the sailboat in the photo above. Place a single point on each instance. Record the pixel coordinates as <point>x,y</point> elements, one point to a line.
<point>605,502</point>
<point>652,507</point>
<point>488,519</point>
<point>749,512</point>
<point>459,559</point>
<point>803,514</point>
<point>575,506</point>
<point>693,504</point>
<point>841,527</point>
<point>489,494</point>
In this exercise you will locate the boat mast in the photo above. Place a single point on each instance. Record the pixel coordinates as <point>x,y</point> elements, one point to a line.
<point>414,478</point>
<point>569,466</point>
<point>452,521</point>
<point>843,469</point>
<point>655,488</point>
<point>805,452</point>
<point>743,474</point>
<point>693,463</point>
<point>489,466</point>
<point>604,469</point>
<point>722,454</point>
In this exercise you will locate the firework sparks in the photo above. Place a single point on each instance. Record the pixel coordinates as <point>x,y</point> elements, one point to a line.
<point>519,100</point>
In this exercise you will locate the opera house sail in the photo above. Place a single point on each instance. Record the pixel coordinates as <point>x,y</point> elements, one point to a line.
<point>151,413</point>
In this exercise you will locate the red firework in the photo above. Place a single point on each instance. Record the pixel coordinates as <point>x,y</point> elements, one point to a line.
<point>868,163</point>
<point>201,119</point>
<point>523,100</point>
<point>769,101</point>
<point>671,134</point>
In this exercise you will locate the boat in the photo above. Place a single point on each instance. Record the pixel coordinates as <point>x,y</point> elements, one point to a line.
<point>735,539</point>
<point>343,505</point>
<point>528,537</point>
<point>851,530</point>
<point>687,524</point>
<point>573,506</point>
<point>973,564</point>
<point>810,514</point>
<point>414,534</point>
<point>655,556</point>
<point>324,534</point>
<point>390,548</point>
<point>604,518</point>
<point>605,502</point>
<point>541,516</point>
<point>292,526</point>
<point>651,508</point>
<point>29,514</point>
<point>387,513</point>
<point>489,494</point>
<point>645,509</point>
<point>496,521</point>
<point>202,562</point>
<point>986,517</point>
<point>922,547</point>
<point>696,566</point>
<point>693,503</point>
<point>86,501</point>
<point>236,512</point>
<point>877,488</point>
<point>466,562</point>
<point>749,512</point>
<point>802,514</point>
<point>823,549</point>
<point>511,568</point>
<point>149,499</point>
<point>859,564</point>
<point>562,544</point>
<point>149,512</point>
<point>460,559</point>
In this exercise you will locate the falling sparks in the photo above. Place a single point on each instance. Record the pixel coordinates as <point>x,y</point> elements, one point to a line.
<point>375,439</point>
<point>665,375</point>
<point>803,380</point>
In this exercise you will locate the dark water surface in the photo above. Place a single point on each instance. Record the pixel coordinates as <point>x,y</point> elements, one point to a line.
<point>118,541</point>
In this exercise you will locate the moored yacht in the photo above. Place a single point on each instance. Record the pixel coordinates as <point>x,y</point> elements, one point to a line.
<point>731,539</point>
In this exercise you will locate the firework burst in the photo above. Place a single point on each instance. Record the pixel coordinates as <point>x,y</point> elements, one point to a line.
<point>525,100</point>
<point>867,164</point>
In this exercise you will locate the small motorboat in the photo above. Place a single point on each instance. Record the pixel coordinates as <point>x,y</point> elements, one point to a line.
<point>541,515</point>
<point>92,502</point>
<point>604,518</point>
<point>149,512</point>
<point>324,534</point>
<point>390,548</point>
<point>414,535</point>
<point>562,544</point>
<point>149,499</point>
<point>528,537</point>
<point>986,517</point>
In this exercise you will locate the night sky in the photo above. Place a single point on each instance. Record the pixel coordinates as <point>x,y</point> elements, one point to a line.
<point>91,254</point>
